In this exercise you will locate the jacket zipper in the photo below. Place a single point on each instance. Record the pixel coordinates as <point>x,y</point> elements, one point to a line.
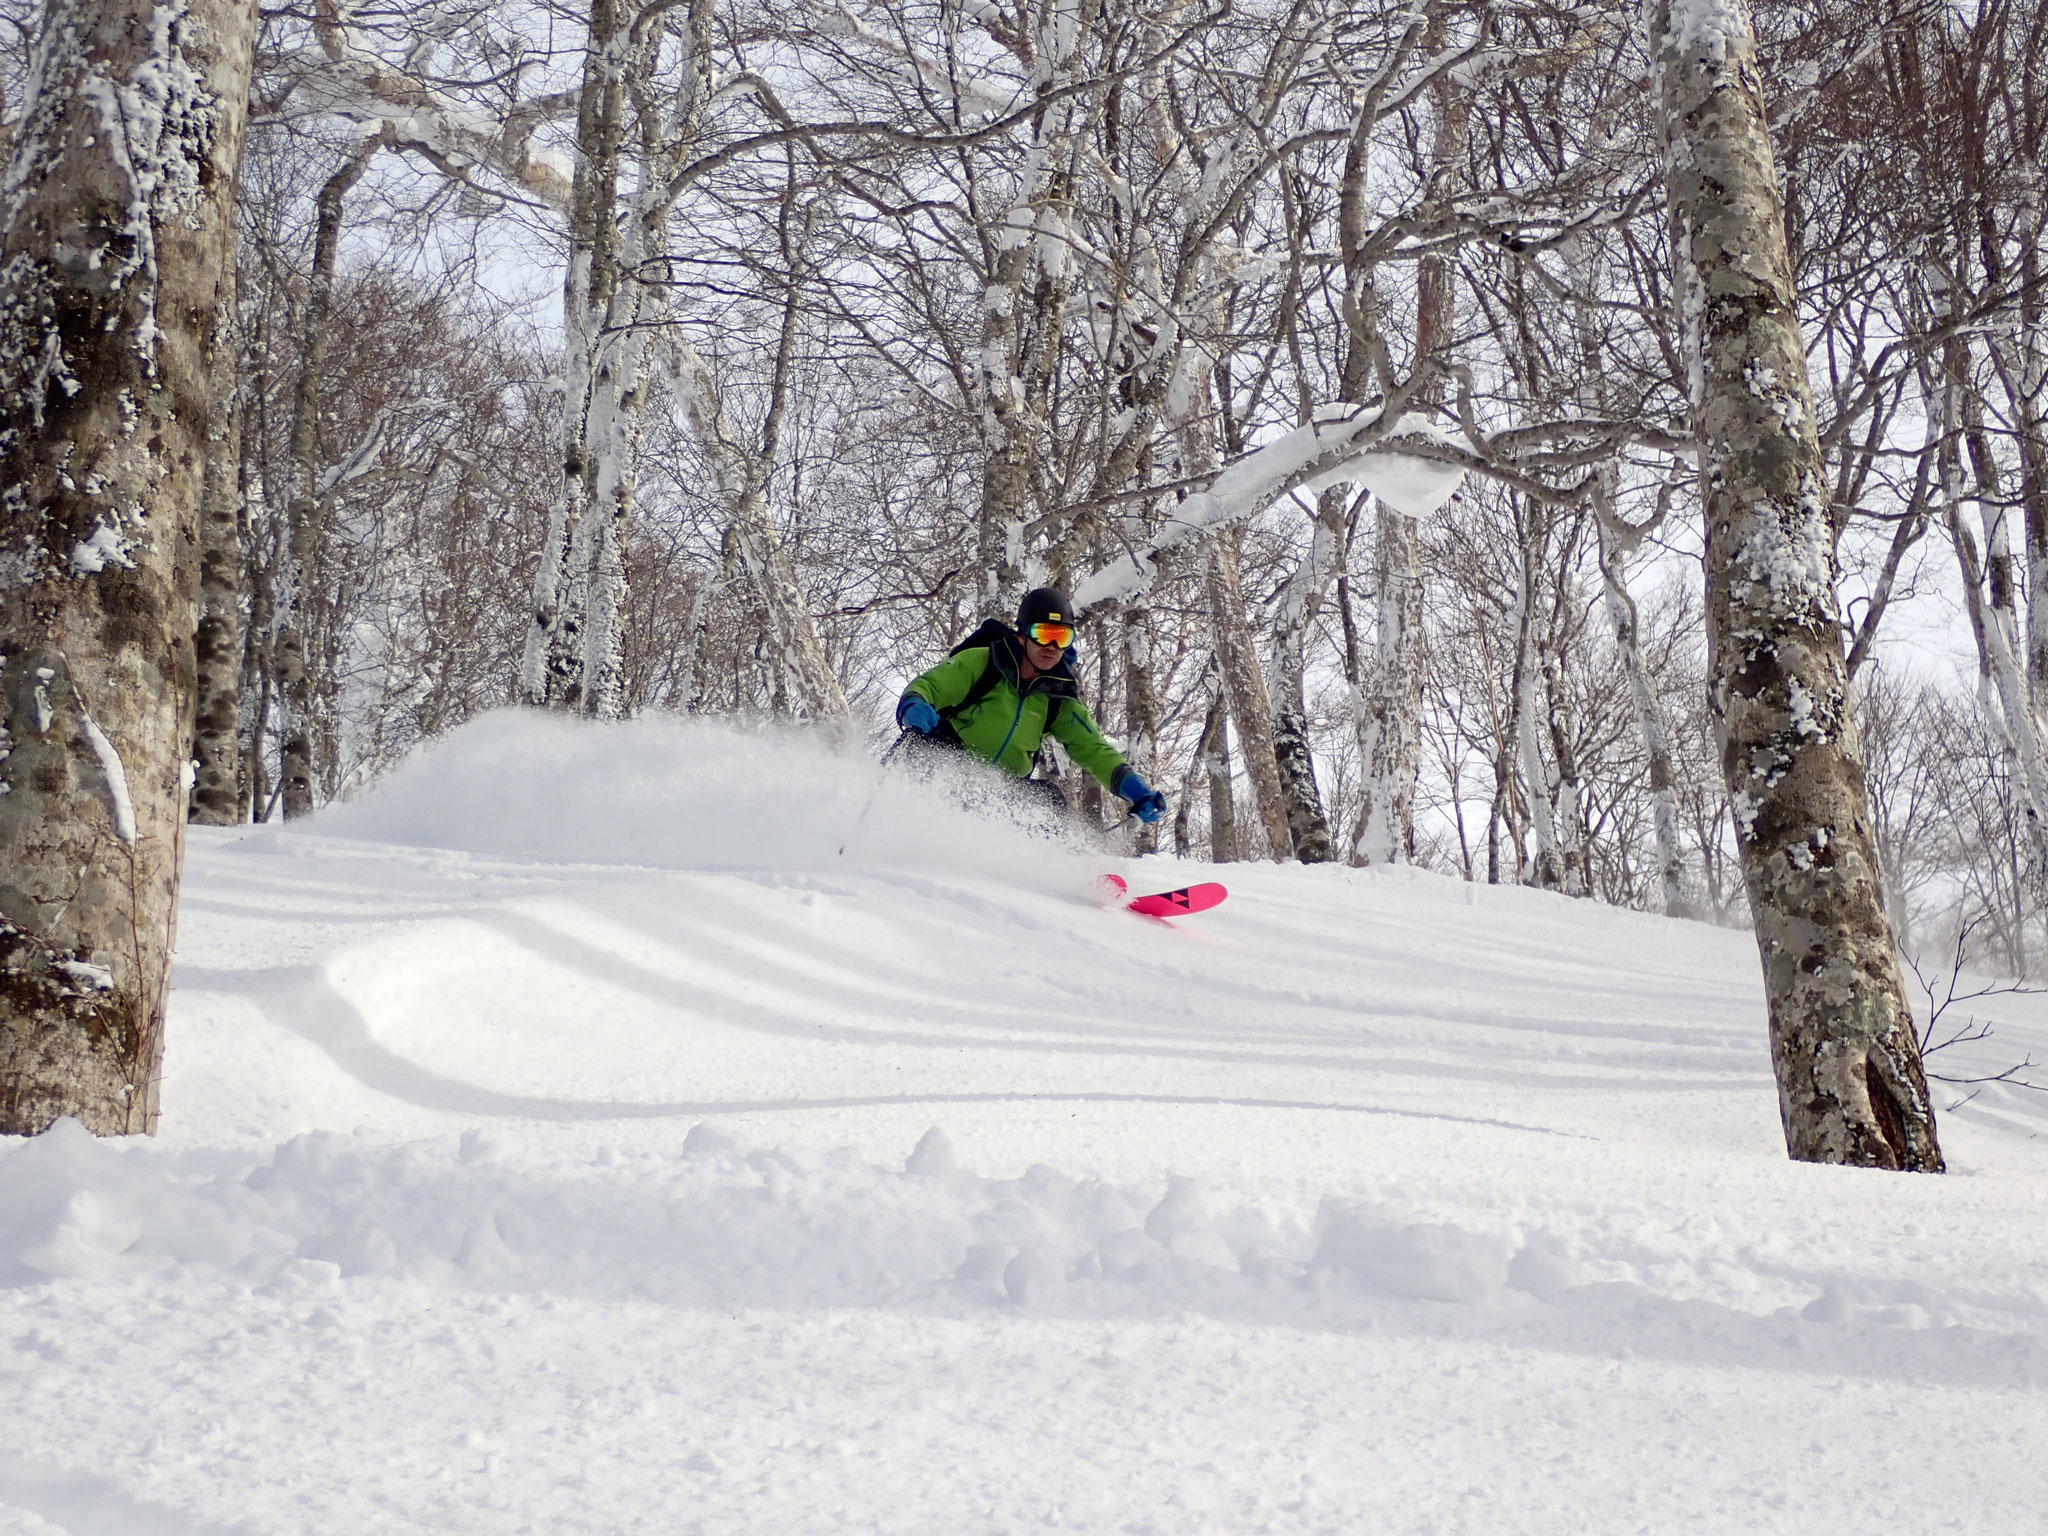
<point>1014,721</point>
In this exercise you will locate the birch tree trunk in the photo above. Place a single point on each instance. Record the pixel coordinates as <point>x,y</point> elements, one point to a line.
<point>116,236</point>
<point>1216,770</point>
<point>611,444</point>
<point>2000,632</point>
<point>1243,677</point>
<point>1141,709</point>
<point>1392,725</point>
<point>2030,411</point>
<point>1621,614</point>
<point>2022,353</point>
<point>1244,683</point>
<point>1393,730</point>
<point>1618,542</point>
<point>552,674</point>
<point>252,792</point>
<point>295,683</point>
<point>1025,298</point>
<point>1288,685</point>
<point>1850,1084</point>
<point>1546,865</point>
<point>1570,795</point>
<point>1988,605</point>
<point>799,657</point>
<point>217,646</point>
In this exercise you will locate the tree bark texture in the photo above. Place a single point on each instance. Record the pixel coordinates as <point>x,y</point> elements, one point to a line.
<point>1244,683</point>
<point>114,232</point>
<point>297,687</point>
<point>1299,604</point>
<point>1216,769</point>
<point>1569,797</point>
<point>551,676</point>
<point>1990,601</point>
<point>2022,356</point>
<point>252,792</point>
<point>800,661</point>
<point>216,736</point>
<point>1850,1084</point>
<point>1618,541</point>
<point>1621,614</point>
<point>2032,414</point>
<point>1390,727</point>
<point>1546,863</point>
<point>1023,305</point>
<point>1141,710</point>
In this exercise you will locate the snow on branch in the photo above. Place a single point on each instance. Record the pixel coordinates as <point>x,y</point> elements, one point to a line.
<point>359,460</point>
<point>914,66</point>
<point>1341,444</point>
<point>352,81</point>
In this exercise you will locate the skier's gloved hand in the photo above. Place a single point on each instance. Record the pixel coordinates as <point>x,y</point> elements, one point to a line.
<point>914,714</point>
<point>1147,804</point>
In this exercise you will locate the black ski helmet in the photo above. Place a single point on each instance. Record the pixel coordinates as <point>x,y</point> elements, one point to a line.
<point>1044,605</point>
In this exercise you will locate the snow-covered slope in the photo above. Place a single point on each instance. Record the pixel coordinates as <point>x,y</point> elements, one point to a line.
<point>570,1137</point>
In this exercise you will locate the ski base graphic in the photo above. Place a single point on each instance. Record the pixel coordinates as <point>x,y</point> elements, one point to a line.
<point>1174,903</point>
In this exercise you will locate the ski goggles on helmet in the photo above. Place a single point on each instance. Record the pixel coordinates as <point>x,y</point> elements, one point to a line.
<point>1061,635</point>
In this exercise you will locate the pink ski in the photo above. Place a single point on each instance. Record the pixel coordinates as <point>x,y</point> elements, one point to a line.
<point>1175,903</point>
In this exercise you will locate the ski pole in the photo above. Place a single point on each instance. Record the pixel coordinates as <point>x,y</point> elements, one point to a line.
<point>881,777</point>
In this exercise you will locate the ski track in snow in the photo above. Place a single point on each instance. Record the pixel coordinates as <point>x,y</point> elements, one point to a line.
<point>564,1139</point>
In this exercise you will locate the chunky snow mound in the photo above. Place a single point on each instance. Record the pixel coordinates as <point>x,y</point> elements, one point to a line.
<point>719,1224</point>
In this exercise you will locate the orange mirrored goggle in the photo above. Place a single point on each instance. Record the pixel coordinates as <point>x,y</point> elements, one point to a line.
<point>1061,635</point>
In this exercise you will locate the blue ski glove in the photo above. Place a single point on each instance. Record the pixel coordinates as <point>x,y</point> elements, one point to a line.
<point>1147,804</point>
<point>913,714</point>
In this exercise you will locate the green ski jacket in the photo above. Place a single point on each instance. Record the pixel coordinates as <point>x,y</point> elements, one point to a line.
<point>1006,727</point>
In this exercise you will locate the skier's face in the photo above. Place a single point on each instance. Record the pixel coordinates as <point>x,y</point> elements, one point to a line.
<point>1042,655</point>
<point>1045,643</point>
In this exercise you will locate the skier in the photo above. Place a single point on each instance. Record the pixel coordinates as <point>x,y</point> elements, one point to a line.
<point>1002,691</point>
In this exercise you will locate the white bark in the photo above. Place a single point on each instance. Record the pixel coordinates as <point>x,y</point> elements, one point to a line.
<point>1993,623</point>
<point>556,671</point>
<point>1215,756</point>
<point>1851,1088</point>
<point>218,641</point>
<point>1546,863</point>
<point>1287,678</point>
<point>1393,740</point>
<point>115,226</point>
<point>1618,541</point>
<point>1616,544</point>
<point>298,688</point>
<point>612,444</point>
<point>799,653</point>
<point>1141,710</point>
<point>1244,683</point>
<point>1390,725</point>
<point>1030,266</point>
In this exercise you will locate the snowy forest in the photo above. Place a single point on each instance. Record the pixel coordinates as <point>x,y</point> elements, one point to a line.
<point>1512,535</point>
<point>737,358</point>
